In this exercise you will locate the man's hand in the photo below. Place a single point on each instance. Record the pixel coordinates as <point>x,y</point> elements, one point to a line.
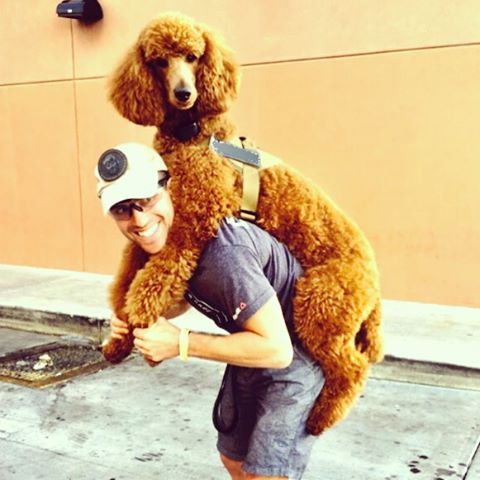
<point>158,342</point>
<point>118,328</point>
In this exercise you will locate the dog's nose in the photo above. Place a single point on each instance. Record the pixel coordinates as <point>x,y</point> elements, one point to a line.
<point>182,94</point>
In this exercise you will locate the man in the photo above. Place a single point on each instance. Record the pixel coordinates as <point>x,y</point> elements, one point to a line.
<point>245,282</point>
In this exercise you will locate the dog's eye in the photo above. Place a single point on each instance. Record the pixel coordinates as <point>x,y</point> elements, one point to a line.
<point>161,62</point>
<point>191,58</point>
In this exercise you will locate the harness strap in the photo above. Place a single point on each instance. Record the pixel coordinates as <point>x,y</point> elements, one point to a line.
<point>247,162</point>
<point>250,191</point>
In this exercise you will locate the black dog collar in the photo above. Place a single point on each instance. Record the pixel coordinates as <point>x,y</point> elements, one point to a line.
<point>186,132</point>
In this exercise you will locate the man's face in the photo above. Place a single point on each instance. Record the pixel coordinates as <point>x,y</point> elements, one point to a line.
<point>148,228</point>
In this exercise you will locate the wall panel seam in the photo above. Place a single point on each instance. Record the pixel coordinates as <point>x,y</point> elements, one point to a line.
<point>77,149</point>
<point>273,62</point>
<point>363,54</point>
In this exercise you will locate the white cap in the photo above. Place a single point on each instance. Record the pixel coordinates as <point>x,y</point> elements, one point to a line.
<point>129,170</point>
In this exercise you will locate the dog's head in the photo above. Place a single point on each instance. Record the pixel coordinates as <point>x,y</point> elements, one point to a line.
<point>175,63</point>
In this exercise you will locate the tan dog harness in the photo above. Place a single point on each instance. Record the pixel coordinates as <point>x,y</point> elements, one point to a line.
<point>248,162</point>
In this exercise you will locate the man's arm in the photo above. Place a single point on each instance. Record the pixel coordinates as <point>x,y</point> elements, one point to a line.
<point>264,342</point>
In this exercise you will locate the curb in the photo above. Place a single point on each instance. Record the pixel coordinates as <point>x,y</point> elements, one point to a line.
<point>56,323</point>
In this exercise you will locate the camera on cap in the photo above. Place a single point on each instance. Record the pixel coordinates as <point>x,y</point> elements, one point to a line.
<point>112,165</point>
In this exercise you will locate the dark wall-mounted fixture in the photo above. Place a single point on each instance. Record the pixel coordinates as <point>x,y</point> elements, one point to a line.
<point>87,11</point>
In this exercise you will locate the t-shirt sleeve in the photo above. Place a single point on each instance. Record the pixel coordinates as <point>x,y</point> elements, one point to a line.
<point>233,281</point>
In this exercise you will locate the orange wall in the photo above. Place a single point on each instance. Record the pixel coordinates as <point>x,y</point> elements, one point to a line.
<point>377,101</point>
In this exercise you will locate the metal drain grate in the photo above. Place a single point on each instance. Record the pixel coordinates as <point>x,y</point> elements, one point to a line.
<point>51,363</point>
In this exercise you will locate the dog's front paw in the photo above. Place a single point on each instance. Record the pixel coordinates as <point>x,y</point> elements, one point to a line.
<point>115,350</point>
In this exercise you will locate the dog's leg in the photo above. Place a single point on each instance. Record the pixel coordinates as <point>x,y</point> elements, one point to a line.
<point>327,315</point>
<point>133,259</point>
<point>345,377</point>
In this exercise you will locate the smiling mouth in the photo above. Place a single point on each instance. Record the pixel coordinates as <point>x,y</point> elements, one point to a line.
<point>149,231</point>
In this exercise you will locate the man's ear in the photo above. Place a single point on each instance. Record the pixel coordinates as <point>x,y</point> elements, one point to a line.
<point>168,186</point>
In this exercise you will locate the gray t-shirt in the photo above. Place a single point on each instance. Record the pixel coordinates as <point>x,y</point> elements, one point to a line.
<point>238,271</point>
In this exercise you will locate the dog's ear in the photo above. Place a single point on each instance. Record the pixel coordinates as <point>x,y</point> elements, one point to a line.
<point>134,91</point>
<point>217,78</point>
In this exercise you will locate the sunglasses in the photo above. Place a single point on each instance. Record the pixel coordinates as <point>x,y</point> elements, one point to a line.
<point>124,210</point>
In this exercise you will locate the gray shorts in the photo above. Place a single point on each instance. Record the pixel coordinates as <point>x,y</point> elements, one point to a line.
<point>272,406</point>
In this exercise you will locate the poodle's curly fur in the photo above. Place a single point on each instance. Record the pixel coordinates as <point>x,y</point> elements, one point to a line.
<point>337,307</point>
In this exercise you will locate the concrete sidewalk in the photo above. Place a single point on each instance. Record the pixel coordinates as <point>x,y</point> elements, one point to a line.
<point>66,301</point>
<point>132,422</point>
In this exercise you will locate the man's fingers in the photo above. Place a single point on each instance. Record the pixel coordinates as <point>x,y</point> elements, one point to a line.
<point>139,333</point>
<point>119,324</point>
<point>140,344</point>
<point>116,335</point>
<point>152,363</point>
<point>119,330</point>
<point>146,355</point>
<point>124,331</point>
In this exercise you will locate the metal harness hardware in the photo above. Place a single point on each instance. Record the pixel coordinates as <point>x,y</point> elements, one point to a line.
<point>248,163</point>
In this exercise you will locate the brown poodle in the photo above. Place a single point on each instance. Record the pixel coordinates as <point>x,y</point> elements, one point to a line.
<point>179,77</point>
